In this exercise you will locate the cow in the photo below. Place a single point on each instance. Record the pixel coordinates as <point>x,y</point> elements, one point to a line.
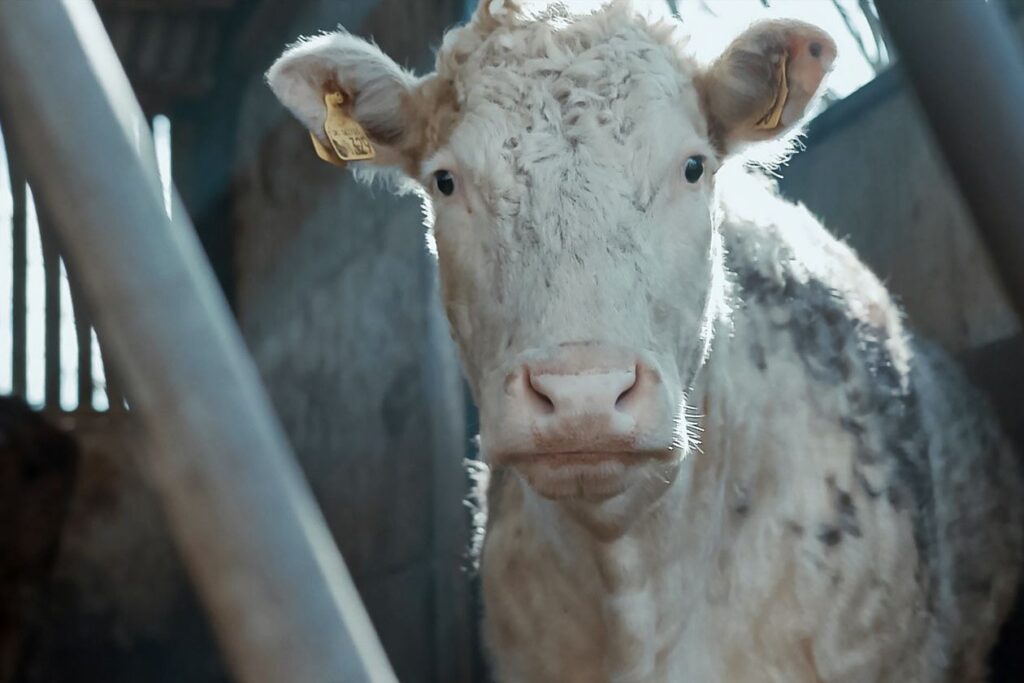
<point>716,453</point>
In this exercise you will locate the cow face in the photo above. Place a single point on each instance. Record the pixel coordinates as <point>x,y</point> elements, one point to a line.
<point>569,165</point>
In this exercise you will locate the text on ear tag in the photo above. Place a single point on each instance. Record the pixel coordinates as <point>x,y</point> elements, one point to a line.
<point>770,120</point>
<point>348,139</point>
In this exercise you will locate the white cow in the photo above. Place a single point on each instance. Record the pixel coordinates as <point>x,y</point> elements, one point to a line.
<point>716,453</point>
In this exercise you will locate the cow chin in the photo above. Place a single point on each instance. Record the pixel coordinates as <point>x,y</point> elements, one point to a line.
<point>595,477</point>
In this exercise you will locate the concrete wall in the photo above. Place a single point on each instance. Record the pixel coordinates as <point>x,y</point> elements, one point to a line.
<point>872,172</point>
<point>335,292</point>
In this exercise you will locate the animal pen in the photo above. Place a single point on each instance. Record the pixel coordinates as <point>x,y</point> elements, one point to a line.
<point>183,378</point>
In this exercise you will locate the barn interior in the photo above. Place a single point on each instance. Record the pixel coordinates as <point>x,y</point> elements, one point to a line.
<point>335,297</point>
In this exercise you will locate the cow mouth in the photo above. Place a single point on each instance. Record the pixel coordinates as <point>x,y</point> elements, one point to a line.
<point>587,475</point>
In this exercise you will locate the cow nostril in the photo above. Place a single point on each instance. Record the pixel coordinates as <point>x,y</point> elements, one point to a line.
<point>629,392</point>
<point>540,401</point>
<point>580,390</point>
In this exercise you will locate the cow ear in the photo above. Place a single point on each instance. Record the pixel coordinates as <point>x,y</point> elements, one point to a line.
<point>490,13</point>
<point>376,91</point>
<point>763,83</point>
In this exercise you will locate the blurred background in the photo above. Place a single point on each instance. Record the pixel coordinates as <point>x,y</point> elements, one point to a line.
<point>335,295</point>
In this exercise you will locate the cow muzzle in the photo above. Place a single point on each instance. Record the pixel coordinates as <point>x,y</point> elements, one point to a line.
<point>583,420</point>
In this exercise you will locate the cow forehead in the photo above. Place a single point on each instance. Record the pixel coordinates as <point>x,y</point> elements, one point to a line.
<point>609,82</point>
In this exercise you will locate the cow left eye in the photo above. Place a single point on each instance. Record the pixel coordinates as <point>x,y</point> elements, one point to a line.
<point>445,182</point>
<point>694,169</point>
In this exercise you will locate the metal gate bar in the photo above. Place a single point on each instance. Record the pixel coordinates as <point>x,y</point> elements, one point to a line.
<point>19,249</point>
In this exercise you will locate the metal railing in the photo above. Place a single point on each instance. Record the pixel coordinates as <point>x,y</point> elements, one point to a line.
<point>68,373</point>
<point>273,583</point>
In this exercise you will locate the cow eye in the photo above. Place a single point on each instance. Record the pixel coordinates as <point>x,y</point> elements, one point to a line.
<point>694,169</point>
<point>445,182</point>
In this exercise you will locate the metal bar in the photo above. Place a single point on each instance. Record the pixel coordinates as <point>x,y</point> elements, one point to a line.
<point>279,596</point>
<point>83,329</point>
<point>966,66</point>
<point>83,337</point>
<point>51,298</point>
<point>111,381</point>
<point>19,290</point>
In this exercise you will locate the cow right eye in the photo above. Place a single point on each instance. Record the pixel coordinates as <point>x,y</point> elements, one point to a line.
<point>445,182</point>
<point>694,169</point>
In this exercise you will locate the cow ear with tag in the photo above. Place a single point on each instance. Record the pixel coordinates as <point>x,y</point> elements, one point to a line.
<point>352,97</point>
<point>764,82</point>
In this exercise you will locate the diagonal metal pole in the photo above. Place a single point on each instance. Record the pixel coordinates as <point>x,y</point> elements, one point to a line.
<point>966,65</point>
<point>278,594</point>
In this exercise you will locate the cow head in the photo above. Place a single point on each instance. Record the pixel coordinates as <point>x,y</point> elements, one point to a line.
<point>569,164</point>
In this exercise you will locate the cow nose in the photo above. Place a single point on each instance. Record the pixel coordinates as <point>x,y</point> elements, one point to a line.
<point>581,399</point>
<point>593,392</point>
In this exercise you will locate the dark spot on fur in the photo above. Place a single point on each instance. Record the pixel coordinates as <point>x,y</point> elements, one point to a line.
<point>757,355</point>
<point>851,425</point>
<point>865,485</point>
<point>640,202</point>
<point>830,535</point>
<point>882,408</point>
<point>894,496</point>
<point>741,504</point>
<point>847,514</point>
<point>795,528</point>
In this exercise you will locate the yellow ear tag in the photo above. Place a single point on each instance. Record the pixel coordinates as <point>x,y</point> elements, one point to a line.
<point>324,152</point>
<point>770,121</point>
<point>347,138</point>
